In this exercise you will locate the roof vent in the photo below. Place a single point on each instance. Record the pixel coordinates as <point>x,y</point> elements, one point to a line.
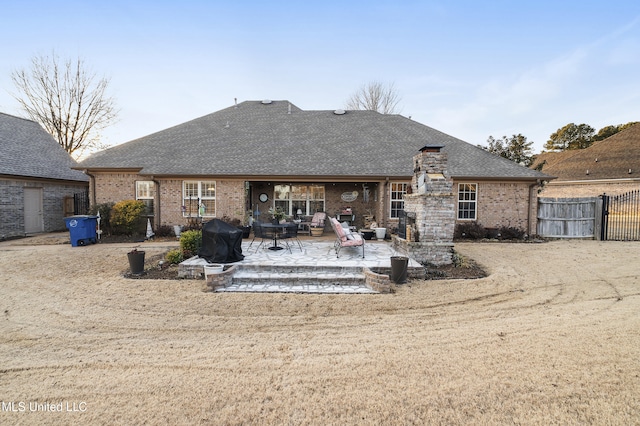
<point>266,102</point>
<point>339,112</point>
<point>587,171</point>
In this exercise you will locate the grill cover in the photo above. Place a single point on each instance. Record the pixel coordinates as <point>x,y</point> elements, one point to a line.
<point>221,242</point>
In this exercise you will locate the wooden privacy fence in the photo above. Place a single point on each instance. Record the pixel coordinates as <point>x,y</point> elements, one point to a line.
<point>569,217</point>
<point>607,217</point>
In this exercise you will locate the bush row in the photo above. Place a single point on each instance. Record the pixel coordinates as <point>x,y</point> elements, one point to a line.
<point>475,231</point>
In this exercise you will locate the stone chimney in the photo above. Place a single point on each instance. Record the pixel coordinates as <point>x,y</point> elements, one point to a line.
<point>431,206</point>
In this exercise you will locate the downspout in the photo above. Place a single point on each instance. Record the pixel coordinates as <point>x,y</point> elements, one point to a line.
<point>385,203</point>
<point>156,210</point>
<point>531,186</point>
<point>92,188</point>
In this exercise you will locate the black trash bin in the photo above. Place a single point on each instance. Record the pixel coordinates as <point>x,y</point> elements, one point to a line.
<point>399,269</point>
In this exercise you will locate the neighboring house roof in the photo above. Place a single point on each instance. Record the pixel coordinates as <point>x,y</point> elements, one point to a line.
<point>261,139</point>
<point>611,158</point>
<point>26,150</point>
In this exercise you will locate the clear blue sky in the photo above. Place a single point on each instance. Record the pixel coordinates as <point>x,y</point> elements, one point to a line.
<point>470,69</point>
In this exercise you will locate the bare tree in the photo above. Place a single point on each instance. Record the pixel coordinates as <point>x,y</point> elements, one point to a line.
<point>67,100</point>
<point>376,96</point>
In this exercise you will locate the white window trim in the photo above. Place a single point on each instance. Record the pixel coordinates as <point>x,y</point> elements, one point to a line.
<point>195,211</point>
<point>475,203</point>
<point>391,199</point>
<point>307,201</point>
<point>151,191</point>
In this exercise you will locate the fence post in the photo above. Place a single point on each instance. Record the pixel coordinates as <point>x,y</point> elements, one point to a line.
<point>604,217</point>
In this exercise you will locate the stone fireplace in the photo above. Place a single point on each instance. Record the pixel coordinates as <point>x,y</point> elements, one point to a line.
<point>430,209</point>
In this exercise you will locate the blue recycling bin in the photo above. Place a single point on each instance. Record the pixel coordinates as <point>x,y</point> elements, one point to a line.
<point>82,229</point>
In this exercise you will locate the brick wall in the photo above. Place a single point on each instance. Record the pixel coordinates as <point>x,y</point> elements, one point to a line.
<point>114,187</point>
<point>12,204</point>
<point>506,204</point>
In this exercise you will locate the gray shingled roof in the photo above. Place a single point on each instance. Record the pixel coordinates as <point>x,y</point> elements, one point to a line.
<point>256,139</point>
<point>28,151</point>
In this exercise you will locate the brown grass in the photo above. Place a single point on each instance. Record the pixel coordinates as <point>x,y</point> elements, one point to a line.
<point>552,336</point>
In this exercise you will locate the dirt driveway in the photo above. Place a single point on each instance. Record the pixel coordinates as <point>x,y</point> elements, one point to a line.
<point>551,336</point>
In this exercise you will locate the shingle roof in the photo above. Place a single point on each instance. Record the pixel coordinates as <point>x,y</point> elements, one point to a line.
<point>278,138</point>
<point>28,151</point>
<point>611,158</point>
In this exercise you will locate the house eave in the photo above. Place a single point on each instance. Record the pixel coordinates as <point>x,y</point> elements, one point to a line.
<point>44,179</point>
<point>504,178</point>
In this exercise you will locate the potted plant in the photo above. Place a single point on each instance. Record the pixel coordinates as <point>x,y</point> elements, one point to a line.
<point>277,215</point>
<point>136,261</point>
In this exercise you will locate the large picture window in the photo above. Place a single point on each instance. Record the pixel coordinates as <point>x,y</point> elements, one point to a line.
<point>467,201</point>
<point>198,198</point>
<point>397,198</point>
<point>306,198</point>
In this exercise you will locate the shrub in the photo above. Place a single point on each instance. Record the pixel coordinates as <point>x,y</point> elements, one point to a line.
<point>105,216</point>
<point>190,242</point>
<point>511,233</point>
<point>126,216</point>
<point>469,230</point>
<point>174,256</point>
<point>164,231</point>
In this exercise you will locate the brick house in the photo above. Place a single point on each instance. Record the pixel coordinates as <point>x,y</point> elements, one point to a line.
<point>609,166</point>
<point>260,154</point>
<point>35,179</point>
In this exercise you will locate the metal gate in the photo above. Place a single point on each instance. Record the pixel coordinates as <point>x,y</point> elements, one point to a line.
<point>81,202</point>
<point>621,217</point>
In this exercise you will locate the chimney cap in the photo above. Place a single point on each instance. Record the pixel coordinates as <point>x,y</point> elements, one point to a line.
<point>431,148</point>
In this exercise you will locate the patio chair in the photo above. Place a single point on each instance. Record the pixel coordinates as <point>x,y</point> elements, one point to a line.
<point>318,219</point>
<point>291,233</point>
<point>345,238</point>
<point>258,233</point>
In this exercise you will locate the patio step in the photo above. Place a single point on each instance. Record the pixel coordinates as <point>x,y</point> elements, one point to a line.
<point>299,279</point>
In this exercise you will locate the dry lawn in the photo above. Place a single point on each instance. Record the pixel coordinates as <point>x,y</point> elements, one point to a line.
<point>552,336</point>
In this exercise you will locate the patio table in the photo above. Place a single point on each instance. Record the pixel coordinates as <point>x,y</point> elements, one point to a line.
<point>277,230</point>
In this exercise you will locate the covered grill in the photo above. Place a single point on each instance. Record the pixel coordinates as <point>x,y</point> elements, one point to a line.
<point>221,242</point>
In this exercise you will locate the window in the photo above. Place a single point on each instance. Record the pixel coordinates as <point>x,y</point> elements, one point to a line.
<point>397,198</point>
<point>199,198</point>
<point>291,198</point>
<point>467,201</point>
<point>145,191</point>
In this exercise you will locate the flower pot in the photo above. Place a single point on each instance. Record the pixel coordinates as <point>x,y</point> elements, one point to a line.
<point>367,234</point>
<point>316,232</point>
<point>399,269</point>
<point>136,262</point>
<point>177,229</point>
<point>380,233</point>
<point>212,269</point>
